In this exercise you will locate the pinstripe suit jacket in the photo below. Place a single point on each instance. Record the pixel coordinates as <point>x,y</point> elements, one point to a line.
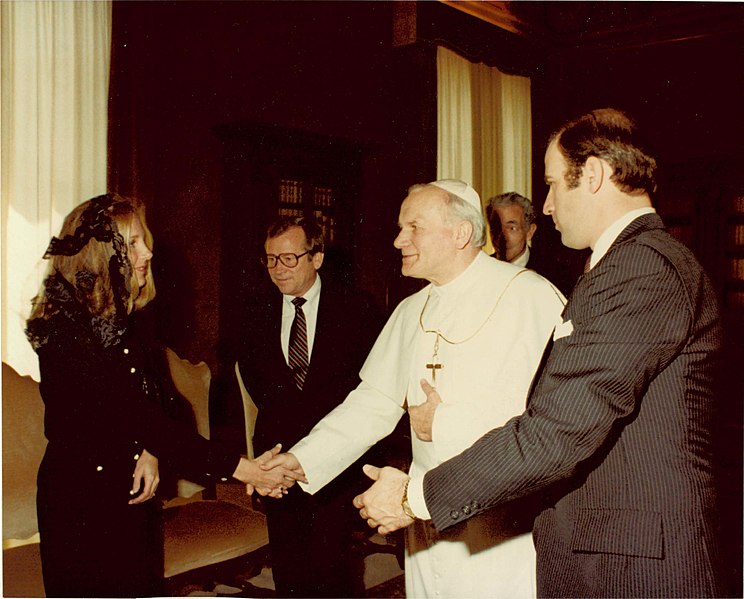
<point>616,438</point>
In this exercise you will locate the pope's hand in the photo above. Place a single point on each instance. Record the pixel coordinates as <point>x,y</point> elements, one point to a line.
<point>288,465</point>
<point>422,415</point>
<point>267,481</point>
<point>382,504</point>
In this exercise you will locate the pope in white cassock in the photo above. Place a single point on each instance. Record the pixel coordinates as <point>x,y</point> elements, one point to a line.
<point>477,332</point>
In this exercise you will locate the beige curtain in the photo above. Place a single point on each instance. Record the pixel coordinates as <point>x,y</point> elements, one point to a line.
<point>54,98</point>
<point>485,126</point>
<point>454,117</point>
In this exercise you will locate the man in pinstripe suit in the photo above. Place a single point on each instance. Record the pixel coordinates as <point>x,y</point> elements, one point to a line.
<point>616,438</point>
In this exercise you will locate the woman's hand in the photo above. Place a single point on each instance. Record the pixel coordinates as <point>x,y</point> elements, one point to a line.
<point>274,481</point>
<point>146,477</point>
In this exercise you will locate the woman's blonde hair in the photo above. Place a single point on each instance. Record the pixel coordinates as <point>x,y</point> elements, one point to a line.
<point>91,256</point>
<point>147,291</point>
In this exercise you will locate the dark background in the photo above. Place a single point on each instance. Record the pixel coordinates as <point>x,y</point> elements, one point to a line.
<point>186,75</point>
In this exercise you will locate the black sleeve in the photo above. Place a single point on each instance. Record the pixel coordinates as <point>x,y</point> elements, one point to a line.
<point>95,401</point>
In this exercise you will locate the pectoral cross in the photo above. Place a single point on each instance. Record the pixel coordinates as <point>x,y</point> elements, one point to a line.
<point>435,365</point>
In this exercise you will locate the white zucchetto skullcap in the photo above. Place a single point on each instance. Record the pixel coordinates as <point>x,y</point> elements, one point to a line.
<point>461,189</point>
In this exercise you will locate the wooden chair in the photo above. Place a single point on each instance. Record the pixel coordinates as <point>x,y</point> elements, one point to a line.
<point>250,411</point>
<point>205,538</point>
<point>23,448</point>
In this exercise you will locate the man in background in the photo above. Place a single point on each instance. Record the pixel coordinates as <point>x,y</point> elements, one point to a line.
<point>512,223</point>
<point>302,349</point>
<point>511,219</point>
<point>617,435</point>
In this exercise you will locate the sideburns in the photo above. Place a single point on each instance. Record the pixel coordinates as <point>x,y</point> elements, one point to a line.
<point>572,176</point>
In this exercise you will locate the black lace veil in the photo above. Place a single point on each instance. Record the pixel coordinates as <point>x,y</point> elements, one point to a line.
<point>67,294</point>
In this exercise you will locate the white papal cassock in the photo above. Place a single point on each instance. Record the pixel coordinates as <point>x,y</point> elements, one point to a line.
<point>493,323</point>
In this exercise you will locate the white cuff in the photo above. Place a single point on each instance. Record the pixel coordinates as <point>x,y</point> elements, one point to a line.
<point>416,498</point>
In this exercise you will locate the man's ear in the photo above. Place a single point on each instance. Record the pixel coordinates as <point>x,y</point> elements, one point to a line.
<point>318,260</point>
<point>595,170</point>
<point>463,234</point>
<point>531,231</point>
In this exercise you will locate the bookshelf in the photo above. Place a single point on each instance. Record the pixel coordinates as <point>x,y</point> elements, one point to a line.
<point>271,171</point>
<point>305,198</point>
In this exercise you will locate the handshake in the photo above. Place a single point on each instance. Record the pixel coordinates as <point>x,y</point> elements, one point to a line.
<point>271,473</point>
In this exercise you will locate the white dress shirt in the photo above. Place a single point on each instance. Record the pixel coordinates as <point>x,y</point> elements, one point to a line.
<point>310,308</point>
<point>611,233</point>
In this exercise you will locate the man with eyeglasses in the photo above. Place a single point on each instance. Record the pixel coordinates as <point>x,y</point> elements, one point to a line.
<point>512,223</point>
<point>511,219</point>
<point>302,350</point>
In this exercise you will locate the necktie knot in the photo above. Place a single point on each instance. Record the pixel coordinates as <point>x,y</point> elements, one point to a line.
<point>298,302</point>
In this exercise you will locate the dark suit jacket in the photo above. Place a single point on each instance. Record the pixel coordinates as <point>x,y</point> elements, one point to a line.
<point>347,325</point>
<point>617,433</point>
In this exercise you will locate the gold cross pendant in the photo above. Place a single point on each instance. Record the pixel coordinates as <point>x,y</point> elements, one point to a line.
<point>434,367</point>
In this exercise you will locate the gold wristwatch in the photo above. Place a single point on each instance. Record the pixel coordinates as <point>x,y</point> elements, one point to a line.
<point>404,503</point>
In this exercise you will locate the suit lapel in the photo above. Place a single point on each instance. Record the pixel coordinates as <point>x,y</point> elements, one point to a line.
<point>647,222</point>
<point>323,335</point>
<point>644,223</point>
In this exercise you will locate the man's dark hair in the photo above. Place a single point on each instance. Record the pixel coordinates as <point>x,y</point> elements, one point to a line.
<point>313,231</point>
<point>611,135</point>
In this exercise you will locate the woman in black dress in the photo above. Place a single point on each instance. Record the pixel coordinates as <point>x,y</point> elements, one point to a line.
<point>108,433</point>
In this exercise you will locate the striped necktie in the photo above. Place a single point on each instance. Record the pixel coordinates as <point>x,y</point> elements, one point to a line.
<point>298,355</point>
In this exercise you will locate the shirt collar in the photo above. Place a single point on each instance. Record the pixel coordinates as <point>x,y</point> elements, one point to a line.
<point>523,258</point>
<point>310,295</point>
<point>611,233</point>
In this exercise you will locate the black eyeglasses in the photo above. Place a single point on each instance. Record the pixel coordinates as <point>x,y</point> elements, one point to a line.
<point>289,260</point>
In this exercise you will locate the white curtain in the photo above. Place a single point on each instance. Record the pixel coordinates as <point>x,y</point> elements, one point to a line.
<point>484,126</point>
<point>454,117</point>
<point>55,74</point>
